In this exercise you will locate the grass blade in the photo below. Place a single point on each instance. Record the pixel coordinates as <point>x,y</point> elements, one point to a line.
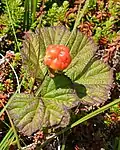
<point>80,14</point>
<point>26,15</point>
<point>9,137</point>
<point>14,130</point>
<point>95,113</point>
<point>34,7</point>
<point>11,21</point>
<point>29,14</point>
<point>83,119</point>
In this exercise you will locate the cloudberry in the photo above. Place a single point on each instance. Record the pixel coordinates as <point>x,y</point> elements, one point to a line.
<point>57,57</point>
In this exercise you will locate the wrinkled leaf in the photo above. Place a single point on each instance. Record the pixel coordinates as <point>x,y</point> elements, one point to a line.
<point>58,98</point>
<point>59,89</point>
<point>31,55</point>
<point>92,78</point>
<point>97,80</point>
<point>27,112</point>
<point>31,113</point>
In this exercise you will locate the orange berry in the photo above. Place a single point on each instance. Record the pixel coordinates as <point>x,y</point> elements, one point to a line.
<point>57,57</point>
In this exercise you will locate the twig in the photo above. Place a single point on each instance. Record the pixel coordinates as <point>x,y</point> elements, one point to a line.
<point>13,71</point>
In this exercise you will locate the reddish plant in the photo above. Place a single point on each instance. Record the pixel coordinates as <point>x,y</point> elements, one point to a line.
<point>57,57</point>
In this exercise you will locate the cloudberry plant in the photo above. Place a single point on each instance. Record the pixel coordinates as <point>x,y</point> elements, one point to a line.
<point>57,57</point>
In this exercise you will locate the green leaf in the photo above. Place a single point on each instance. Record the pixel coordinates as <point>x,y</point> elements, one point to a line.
<point>31,56</point>
<point>92,78</point>
<point>27,112</point>
<point>31,113</point>
<point>82,51</point>
<point>58,98</point>
<point>60,90</point>
<point>93,81</point>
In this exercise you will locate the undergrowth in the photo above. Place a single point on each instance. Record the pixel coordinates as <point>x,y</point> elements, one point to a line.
<point>97,19</point>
